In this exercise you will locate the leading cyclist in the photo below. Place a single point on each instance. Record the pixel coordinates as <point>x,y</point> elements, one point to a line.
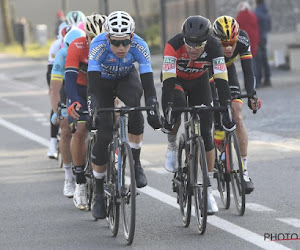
<point>111,72</point>
<point>188,57</point>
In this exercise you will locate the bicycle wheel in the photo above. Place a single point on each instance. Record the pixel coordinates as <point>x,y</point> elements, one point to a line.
<point>236,175</point>
<point>223,179</point>
<point>88,171</point>
<point>200,183</point>
<point>183,180</point>
<point>128,193</point>
<point>111,193</point>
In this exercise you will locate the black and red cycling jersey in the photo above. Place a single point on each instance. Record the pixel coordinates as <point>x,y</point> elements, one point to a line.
<point>177,64</point>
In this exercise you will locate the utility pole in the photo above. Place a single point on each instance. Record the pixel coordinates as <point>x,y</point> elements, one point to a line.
<point>7,25</point>
<point>163,34</point>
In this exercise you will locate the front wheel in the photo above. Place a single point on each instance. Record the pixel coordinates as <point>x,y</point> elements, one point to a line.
<point>200,183</point>
<point>111,193</point>
<point>236,175</point>
<point>128,193</point>
<point>183,180</point>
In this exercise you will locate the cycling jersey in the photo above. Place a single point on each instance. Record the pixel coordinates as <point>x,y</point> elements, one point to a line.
<point>58,70</point>
<point>54,48</point>
<point>77,59</point>
<point>177,64</point>
<point>244,51</point>
<point>102,59</point>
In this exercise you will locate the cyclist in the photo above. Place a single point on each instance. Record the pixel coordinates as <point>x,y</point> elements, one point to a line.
<point>235,42</point>
<point>187,59</point>
<point>54,48</point>
<point>57,94</point>
<point>74,17</point>
<point>76,81</point>
<point>111,72</point>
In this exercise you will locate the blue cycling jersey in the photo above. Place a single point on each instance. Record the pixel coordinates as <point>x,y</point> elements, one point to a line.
<point>101,58</point>
<point>58,70</point>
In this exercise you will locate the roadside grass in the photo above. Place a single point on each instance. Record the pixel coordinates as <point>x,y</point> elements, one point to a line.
<point>33,50</point>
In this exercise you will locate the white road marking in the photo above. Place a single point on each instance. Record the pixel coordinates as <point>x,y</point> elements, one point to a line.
<point>258,208</point>
<point>24,132</point>
<point>291,221</point>
<point>24,93</point>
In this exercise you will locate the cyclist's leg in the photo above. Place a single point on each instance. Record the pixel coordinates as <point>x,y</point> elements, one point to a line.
<point>179,100</point>
<point>200,93</point>
<point>101,96</point>
<point>130,91</point>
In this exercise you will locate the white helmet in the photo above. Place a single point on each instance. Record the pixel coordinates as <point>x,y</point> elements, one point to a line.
<point>93,24</point>
<point>119,24</point>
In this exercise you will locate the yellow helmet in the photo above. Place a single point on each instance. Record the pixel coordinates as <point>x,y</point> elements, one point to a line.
<point>226,28</point>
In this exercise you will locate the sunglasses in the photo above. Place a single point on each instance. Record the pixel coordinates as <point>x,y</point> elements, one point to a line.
<point>194,45</point>
<point>117,43</point>
<point>228,43</point>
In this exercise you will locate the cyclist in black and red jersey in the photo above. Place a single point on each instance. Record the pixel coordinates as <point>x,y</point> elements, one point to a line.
<point>235,42</point>
<point>188,57</point>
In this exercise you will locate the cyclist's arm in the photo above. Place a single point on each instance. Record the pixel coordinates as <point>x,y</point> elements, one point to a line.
<point>219,70</point>
<point>71,74</point>
<point>57,76</point>
<point>94,78</point>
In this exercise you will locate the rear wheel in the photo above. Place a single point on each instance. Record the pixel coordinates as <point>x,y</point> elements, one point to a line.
<point>223,179</point>
<point>237,179</point>
<point>183,180</point>
<point>111,193</point>
<point>200,181</point>
<point>128,193</point>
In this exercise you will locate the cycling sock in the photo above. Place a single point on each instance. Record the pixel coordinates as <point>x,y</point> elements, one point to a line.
<point>172,141</point>
<point>136,155</point>
<point>99,186</point>
<point>210,176</point>
<point>68,171</point>
<point>245,163</point>
<point>53,140</point>
<point>79,173</point>
<point>99,175</point>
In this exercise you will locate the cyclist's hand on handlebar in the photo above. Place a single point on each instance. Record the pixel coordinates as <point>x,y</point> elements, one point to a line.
<point>153,117</point>
<point>228,124</point>
<point>54,119</point>
<point>64,112</point>
<point>254,103</point>
<point>75,106</point>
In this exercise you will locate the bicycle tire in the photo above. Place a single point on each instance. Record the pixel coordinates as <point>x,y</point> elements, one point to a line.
<point>128,193</point>
<point>111,193</point>
<point>223,179</point>
<point>88,171</point>
<point>184,196</point>
<point>200,184</point>
<point>236,173</point>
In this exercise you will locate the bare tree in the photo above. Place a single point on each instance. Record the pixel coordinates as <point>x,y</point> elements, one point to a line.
<point>7,25</point>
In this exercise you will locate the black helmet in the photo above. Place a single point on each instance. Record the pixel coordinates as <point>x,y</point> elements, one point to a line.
<point>196,28</point>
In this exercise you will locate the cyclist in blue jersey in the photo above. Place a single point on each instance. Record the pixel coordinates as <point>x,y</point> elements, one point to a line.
<point>111,72</point>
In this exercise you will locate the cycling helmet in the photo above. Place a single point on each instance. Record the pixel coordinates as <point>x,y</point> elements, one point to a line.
<point>119,24</point>
<point>226,28</point>
<point>74,17</point>
<point>196,28</point>
<point>81,26</point>
<point>93,24</point>
<point>64,31</point>
<point>73,34</point>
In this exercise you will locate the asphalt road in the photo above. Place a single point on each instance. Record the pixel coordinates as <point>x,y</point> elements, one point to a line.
<point>34,214</point>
